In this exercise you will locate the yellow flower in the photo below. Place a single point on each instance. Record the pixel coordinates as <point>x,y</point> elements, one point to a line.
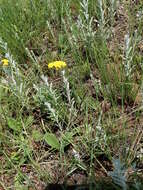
<point>4,62</point>
<point>57,65</point>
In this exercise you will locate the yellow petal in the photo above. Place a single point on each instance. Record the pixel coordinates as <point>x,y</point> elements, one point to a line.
<point>57,65</point>
<point>4,62</point>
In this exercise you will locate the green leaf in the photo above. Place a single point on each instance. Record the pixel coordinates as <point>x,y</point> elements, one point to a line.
<point>14,124</point>
<point>52,140</point>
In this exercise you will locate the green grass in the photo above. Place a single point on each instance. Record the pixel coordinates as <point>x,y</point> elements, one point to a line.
<point>84,120</point>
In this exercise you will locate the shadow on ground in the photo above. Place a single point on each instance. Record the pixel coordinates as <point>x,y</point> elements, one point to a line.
<point>101,186</point>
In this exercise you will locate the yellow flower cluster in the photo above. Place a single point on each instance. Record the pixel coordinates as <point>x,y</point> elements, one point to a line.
<point>4,62</point>
<point>57,65</point>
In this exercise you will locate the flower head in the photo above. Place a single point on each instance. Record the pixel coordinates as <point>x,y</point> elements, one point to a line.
<point>57,65</point>
<point>4,62</point>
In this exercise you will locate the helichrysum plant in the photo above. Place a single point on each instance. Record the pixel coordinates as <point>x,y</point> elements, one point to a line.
<point>118,174</point>
<point>48,99</point>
